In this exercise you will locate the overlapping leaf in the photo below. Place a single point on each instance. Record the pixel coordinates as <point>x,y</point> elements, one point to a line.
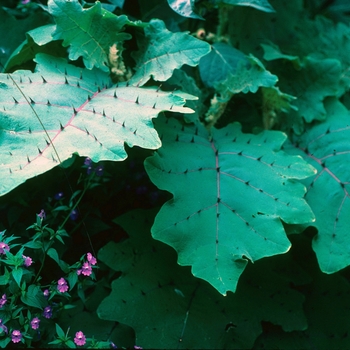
<point>89,32</point>
<point>230,194</point>
<point>81,112</point>
<point>163,51</point>
<point>183,312</point>
<point>327,147</point>
<point>184,8</point>
<point>222,60</point>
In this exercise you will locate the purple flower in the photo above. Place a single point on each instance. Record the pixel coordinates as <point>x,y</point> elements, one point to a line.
<point>137,347</point>
<point>87,161</point>
<point>3,300</point>
<point>86,269</point>
<point>35,323</point>
<point>42,214</point>
<point>24,2</point>
<point>79,339</point>
<point>74,214</point>
<point>3,327</point>
<point>113,346</point>
<point>59,196</point>
<point>27,261</point>
<point>89,170</point>
<point>62,285</point>
<point>91,259</point>
<point>47,312</point>
<point>16,336</point>
<point>3,247</point>
<point>99,170</point>
<point>46,293</point>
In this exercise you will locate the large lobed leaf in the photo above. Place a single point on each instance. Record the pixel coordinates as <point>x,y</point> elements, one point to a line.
<point>231,191</point>
<point>89,32</point>
<point>80,111</point>
<point>169,308</point>
<point>327,147</point>
<point>163,51</point>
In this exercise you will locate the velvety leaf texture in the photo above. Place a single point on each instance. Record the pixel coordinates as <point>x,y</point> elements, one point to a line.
<point>80,112</point>
<point>89,32</point>
<point>163,51</point>
<point>181,311</point>
<point>327,147</point>
<point>231,191</point>
<point>222,59</point>
<point>247,78</point>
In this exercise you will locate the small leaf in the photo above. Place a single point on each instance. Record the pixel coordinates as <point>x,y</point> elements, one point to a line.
<point>17,274</point>
<point>52,253</point>
<point>34,297</point>
<point>222,60</point>
<point>184,8</point>
<point>163,51</point>
<point>60,332</point>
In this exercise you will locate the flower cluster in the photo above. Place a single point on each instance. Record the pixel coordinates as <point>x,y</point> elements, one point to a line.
<point>86,268</point>
<point>62,285</point>
<point>98,170</point>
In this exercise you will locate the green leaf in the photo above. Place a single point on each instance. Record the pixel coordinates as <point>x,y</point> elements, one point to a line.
<point>4,279</point>
<point>163,51</point>
<point>222,60</point>
<point>272,52</point>
<point>327,147</point>
<point>184,8</point>
<point>17,274</point>
<point>262,5</point>
<point>89,32</point>
<point>34,297</point>
<point>153,284</point>
<point>60,332</point>
<point>39,40</point>
<point>52,253</point>
<point>247,78</point>
<point>231,192</point>
<point>81,111</point>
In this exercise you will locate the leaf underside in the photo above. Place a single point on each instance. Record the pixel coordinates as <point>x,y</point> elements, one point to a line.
<point>230,195</point>
<point>80,111</point>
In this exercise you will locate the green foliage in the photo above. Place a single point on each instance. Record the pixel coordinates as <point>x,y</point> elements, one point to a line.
<point>238,112</point>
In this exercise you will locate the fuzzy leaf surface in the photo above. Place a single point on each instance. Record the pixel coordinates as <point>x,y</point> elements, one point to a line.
<point>89,32</point>
<point>230,195</point>
<point>327,147</point>
<point>81,111</point>
<point>222,60</point>
<point>247,78</point>
<point>163,51</point>
<point>153,284</point>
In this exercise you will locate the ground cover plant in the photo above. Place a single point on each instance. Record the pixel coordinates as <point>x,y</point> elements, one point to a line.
<point>175,174</point>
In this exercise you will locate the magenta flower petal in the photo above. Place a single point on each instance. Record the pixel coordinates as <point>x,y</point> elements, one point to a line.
<point>91,259</point>
<point>86,269</point>
<point>3,247</point>
<point>3,300</point>
<point>79,339</point>
<point>16,336</point>
<point>62,285</point>
<point>35,323</point>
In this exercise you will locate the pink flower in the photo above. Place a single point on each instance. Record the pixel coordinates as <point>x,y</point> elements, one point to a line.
<point>86,269</point>
<point>46,293</point>
<point>16,336</point>
<point>35,323</point>
<point>79,339</point>
<point>27,261</point>
<point>42,214</point>
<point>47,312</point>
<point>3,247</point>
<point>62,285</point>
<point>137,347</point>
<point>3,300</point>
<point>91,259</point>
